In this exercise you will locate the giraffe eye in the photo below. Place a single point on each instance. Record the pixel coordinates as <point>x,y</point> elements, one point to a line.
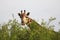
<point>26,17</point>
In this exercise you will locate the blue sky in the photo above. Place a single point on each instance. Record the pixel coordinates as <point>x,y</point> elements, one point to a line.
<point>38,9</point>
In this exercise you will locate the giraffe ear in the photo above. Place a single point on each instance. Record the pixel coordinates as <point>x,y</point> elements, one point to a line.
<point>28,13</point>
<point>19,15</point>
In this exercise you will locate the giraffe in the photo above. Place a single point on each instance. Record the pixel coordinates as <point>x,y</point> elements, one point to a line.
<point>27,20</point>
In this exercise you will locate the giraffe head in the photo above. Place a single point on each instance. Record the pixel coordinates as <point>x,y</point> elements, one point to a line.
<point>24,17</point>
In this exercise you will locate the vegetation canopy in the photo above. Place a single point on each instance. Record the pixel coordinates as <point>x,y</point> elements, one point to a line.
<point>13,31</point>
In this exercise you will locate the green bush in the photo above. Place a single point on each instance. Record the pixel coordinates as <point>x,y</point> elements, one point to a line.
<point>16,32</point>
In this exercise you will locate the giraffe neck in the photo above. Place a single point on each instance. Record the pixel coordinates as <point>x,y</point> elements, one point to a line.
<point>34,25</point>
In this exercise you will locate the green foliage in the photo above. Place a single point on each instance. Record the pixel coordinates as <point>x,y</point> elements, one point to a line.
<point>13,31</point>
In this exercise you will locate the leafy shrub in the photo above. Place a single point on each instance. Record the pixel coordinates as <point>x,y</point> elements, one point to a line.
<point>13,31</point>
